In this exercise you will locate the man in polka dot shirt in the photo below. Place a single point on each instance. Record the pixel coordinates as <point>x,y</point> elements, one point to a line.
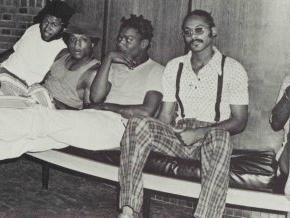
<point>211,93</point>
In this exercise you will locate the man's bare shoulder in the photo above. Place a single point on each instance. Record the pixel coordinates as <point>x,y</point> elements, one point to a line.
<point>61,54</point>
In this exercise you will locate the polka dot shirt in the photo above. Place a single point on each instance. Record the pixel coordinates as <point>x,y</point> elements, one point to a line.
<point>198,91</point>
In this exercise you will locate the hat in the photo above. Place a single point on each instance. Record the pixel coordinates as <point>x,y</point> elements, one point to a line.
<point>79,26</point>
<point>57,8</point>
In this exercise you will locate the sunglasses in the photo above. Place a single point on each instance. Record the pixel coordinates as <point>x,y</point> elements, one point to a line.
<point>199,30</point>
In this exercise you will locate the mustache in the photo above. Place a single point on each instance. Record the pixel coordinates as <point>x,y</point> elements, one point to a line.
<point>196,40</point>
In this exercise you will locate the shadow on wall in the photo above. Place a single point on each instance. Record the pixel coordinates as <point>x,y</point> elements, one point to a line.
<point>257,34</point>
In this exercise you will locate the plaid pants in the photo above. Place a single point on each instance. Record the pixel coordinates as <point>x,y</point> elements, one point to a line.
<point>143,135</point>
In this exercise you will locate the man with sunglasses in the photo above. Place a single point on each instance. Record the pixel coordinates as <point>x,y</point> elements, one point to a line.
<point>31,57</point>
<point>211,94</point>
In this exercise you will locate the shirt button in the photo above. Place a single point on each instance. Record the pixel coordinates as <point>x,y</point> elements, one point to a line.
<point>198,79</point>
<point>195,87</point>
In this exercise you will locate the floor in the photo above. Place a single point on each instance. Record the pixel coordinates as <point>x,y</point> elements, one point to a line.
<point>68,195</point>
<point>75,196</point>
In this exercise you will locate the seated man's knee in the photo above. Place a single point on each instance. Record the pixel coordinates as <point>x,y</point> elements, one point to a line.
<point>137,121</point>
<point>219,132</point>
<point>140,121</point>
<point>219,135</point>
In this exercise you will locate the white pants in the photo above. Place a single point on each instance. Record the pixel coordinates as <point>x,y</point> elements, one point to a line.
<point>39,128</point>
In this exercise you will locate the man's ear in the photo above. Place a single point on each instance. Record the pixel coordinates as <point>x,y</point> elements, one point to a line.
<point>94,49</point>
<point>145,43</point>
<point>214,31</point>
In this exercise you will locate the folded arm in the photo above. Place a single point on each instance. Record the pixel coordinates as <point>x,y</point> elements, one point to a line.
<point>281,112</point>
<point>234,125</point>
<point>149,107</point>
<point>238,120</point>
<point>101,85</point>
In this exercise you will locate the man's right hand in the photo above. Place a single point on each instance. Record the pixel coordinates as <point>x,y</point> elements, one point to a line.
<point>122,58</point>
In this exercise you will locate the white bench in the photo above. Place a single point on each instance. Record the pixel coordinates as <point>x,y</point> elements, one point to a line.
<point>247,198</point>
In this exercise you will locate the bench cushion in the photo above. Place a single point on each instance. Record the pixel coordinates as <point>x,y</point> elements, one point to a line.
<point>250,169</point>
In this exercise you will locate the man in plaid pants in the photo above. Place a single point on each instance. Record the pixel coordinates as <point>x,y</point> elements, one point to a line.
<point>211,93</point>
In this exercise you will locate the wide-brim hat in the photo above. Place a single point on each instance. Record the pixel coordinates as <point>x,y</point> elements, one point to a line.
<point>78,26</point>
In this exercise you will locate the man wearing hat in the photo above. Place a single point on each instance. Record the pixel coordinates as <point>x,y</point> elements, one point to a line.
<point>74,69</point>
<point>33,54</point>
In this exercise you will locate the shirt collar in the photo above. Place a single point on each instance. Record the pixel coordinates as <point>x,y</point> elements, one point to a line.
<point>214,63</point>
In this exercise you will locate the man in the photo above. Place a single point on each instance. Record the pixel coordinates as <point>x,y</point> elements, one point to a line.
<point>128,75</point>
<point>280,120</point>
<point>206,119</point>
<point>33,54</point>
<point>131,86</point>
<point>71,75</point>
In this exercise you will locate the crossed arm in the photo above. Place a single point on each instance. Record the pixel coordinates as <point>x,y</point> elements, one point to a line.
<point>281,112</point>
<point>101,86</point>
<point>234,125</point>
<point>149,106</point>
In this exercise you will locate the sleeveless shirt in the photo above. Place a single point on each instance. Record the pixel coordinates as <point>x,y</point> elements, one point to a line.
<point>62,83</point>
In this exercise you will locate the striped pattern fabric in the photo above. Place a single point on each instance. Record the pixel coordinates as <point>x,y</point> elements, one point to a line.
<point>12,86</point>
<point>41,96</point>
<point>143,135</point>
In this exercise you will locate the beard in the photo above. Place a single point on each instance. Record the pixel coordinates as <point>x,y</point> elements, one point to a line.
<point>55,36</point>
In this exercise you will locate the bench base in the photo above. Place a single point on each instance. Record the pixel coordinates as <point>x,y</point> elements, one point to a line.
<point>239,197</point>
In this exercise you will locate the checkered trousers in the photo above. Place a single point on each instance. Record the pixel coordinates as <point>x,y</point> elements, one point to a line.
<point>143,135</point>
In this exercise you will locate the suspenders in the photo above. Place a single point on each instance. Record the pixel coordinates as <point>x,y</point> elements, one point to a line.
<point>219,90</point>
<point>180,67</point>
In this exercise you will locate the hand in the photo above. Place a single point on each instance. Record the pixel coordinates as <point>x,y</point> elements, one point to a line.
<point>35,86</point>
<point>122,58</point>
<point>94,106</point>
<point>190,136</point>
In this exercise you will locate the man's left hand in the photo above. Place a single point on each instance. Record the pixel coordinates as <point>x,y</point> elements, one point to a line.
<point>190,136</point>
<point>94,106</point>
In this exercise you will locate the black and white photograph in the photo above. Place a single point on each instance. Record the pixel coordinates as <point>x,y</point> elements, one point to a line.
<point>144,109</point>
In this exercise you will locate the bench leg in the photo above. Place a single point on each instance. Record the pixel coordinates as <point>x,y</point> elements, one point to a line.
<point>146,203</point>
<point>45,176</point>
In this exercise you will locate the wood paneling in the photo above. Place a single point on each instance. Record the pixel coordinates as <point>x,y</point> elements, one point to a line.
<point>116,10</point>
<point>91,11</point>
<point>166,17</point>
<point>257,34</point>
